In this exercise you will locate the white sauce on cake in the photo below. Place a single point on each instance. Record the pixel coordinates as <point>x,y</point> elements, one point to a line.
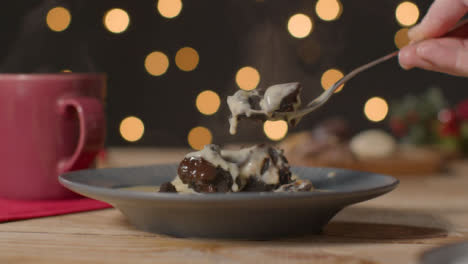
<point>181,187</point>
<point>275,94</point>
<point>269,103</point>
<point>243,164</point>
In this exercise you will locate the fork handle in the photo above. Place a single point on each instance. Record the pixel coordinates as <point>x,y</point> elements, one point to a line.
<point>461,29</point>
<point>358,70</point>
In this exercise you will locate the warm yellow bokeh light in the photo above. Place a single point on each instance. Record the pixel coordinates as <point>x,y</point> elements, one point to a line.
<point>247,78</point>
<point>401,38</point>
<point>275,130</point>
<point>376,109</point>
<point>198,137</point>
<point>187,59</point>
<point>116,20</point>
<point>169,8</point>
<point>330,77</point>
<point>208,102</point>
<point>300,25</point>
<point>132,128</point>
<point>58,18</point>
<point>328,10</point>
<point>407,13</point>
<point>66,70</point>
<point>156,63</point>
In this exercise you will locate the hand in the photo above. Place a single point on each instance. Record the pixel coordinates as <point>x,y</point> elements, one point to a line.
<point>431,47</point>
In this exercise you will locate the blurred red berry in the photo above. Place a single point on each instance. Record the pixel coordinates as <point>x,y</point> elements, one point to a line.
<point>398,127</point>
<point>449,122</point>
<point>412,117</point>
<point>447,116</point>
<point>450,129</point>
<point>462,110</point>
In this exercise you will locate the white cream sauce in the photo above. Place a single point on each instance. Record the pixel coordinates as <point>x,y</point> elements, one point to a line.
<point>269,104</point>
<point>239,105</point>
<point>181,187</point>
<point>241,164</point>
<point>274,95</point>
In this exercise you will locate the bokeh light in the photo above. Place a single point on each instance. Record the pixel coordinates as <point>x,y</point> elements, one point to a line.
<point>208,102</point>
<point>300,25</point>
<point>328,10</point>
<point>376,109</point>
<point>66,70</point>
<point>132,128</point>
<point>58,19</point>
<point>116,20</point>
<point>169,8</point>
<point>198,137</point>
<point>156,63</point>
<point>401,38</point>
<point>330,77</point>
<point>187,59</point>
<point>247,78</point>
<point>275,130</point>
<point>407,13</point>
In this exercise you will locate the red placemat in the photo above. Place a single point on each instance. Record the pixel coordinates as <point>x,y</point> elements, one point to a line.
<point>21,209</point>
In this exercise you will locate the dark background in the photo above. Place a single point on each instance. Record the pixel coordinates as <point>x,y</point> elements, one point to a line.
<point>228,34</point>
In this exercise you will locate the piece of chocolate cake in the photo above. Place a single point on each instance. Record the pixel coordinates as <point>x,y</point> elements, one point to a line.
<point>167,187</point>
<point>265,105</point>
<point>202,176</point>
<point>259,168</point>
<point>274,170</point>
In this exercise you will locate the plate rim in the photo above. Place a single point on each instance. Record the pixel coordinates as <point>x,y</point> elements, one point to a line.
<point>433,254</point>
<point>224,197</point>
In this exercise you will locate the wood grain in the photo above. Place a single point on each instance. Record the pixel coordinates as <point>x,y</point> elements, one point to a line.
<point>420,214</point>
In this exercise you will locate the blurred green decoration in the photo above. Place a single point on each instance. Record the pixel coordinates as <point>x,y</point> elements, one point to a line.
<point>428,119</point>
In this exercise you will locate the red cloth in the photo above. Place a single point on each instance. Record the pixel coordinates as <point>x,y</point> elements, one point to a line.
<point>20,209</point>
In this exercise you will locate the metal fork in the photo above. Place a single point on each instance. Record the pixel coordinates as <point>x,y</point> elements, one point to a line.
<point>460,28</point>
<point>319,101</point>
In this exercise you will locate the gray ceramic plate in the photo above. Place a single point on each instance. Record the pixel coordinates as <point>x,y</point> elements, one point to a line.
<point>449,254</point>
<point>233,215</point>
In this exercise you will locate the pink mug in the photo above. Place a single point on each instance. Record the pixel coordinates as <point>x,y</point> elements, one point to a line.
<point>49,124</point>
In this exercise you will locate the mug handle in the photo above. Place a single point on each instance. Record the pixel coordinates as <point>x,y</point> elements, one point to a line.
<point>92,132</point>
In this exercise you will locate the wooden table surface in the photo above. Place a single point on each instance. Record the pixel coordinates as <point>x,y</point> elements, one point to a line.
<point>422,213</point>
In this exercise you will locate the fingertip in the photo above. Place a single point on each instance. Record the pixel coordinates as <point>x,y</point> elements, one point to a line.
<point>404,58</point>
<point>415,34</point>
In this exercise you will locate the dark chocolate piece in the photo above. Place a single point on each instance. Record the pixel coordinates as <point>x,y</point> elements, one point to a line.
<point>167,187</point>
<point>202,176</point>
<point>194,169</point>
<point>284,172</point>
<point>256,185</point>
<point>288,102</point>
<point>284,175</point>
<point>254,102</point>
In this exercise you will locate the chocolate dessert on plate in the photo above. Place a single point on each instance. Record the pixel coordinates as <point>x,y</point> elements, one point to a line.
<point>260,168</point>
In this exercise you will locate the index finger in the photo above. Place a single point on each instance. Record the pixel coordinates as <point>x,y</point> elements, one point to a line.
<point>441,17</point>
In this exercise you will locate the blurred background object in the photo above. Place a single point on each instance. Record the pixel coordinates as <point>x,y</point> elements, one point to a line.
<point>171,63</point>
